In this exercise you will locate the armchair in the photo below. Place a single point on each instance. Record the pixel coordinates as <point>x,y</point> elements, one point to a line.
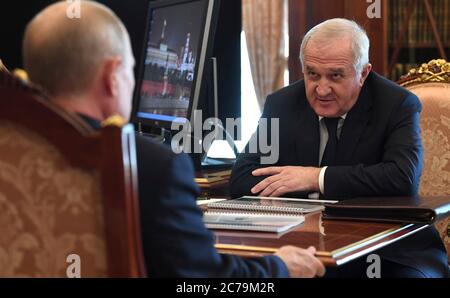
<point>68,194</point>
<point>431,83</point>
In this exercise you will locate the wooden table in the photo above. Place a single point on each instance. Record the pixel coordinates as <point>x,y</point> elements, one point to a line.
<point>219,187</point>
<point>337,241</point>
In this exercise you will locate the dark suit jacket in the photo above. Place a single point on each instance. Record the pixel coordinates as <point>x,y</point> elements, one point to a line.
<point>175,240</point>
<point>379,150</point>
<point>379,154</point>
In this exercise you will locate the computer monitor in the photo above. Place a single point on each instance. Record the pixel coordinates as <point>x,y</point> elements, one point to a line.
<point>178,46</point>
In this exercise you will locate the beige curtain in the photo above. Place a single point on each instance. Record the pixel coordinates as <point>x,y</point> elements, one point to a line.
<point>263,27</point>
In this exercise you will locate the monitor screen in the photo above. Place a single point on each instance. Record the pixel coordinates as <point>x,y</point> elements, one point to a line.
<point>176,41</point>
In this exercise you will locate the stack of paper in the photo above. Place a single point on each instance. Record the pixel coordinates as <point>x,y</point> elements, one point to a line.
<point>251,222</point>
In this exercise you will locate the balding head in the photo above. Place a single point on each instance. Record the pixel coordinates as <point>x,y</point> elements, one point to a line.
<point>63,55</point>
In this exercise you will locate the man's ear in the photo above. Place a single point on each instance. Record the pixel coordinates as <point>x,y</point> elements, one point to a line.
<point>365,72</point>
<point>109,75</point>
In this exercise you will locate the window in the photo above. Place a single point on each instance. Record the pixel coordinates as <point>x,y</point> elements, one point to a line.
<point>250,111</point>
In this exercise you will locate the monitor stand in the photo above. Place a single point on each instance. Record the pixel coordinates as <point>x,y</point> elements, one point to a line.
<point>157,137</point>
<point>217,155</point>
<point>209,163</point>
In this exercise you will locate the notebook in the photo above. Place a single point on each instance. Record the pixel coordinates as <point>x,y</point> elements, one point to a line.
<point>269,204</point>
<point>415,209</point>
<point>251,221</point>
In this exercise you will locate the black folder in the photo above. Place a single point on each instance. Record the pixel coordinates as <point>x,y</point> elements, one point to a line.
<point>415,209</point>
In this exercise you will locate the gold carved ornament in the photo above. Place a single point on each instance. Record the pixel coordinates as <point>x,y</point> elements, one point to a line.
<point>437,70</point>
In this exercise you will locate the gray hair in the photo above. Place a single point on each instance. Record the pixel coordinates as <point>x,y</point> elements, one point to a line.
<point>339,28</point>
<point>63,55</point>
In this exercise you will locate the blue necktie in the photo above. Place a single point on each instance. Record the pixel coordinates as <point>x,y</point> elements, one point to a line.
<point>329,155</point>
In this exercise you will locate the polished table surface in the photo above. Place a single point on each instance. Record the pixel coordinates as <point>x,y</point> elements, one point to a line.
<point>337,241</point>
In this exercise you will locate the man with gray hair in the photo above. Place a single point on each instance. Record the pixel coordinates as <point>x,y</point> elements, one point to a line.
<point>86,66</point>
<point>345,132</point>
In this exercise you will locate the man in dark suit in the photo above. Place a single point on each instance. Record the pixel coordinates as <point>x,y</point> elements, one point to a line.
<point>344,131</point>
<point>86,66</point>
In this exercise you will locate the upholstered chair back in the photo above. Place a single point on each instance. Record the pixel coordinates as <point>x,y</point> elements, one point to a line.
<point>68,194</point>
<point>431,84</point>
<point>51,212</point>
